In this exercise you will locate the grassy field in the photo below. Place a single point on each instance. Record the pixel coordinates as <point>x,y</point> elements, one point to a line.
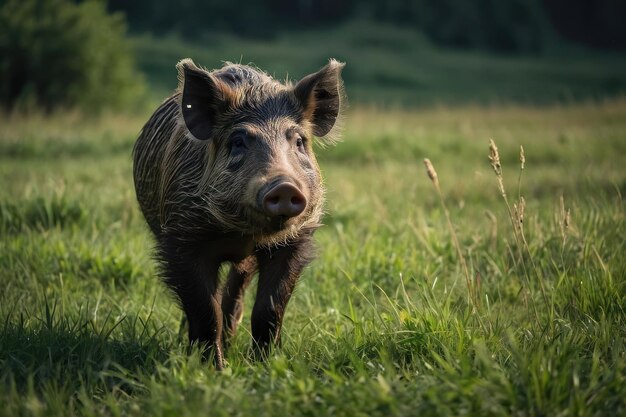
<point>383,323</point>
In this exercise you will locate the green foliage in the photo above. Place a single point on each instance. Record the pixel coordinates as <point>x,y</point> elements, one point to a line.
<point>380,324</point>
<point>60,53</point>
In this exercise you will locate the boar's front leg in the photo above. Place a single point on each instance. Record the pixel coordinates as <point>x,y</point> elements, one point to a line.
<point>192,275</point>
<point>279,270</point>
<point>238,279</point>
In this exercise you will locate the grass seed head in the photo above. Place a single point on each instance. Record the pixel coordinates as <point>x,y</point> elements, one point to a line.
<point>430,170</point>
<point>494,157</point>
<point>522,157</point>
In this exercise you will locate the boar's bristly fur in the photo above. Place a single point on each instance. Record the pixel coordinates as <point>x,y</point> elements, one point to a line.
<point>225,172</point>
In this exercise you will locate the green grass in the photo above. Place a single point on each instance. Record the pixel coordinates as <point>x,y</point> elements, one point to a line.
<point>381,323</point>
<point>390,66</point>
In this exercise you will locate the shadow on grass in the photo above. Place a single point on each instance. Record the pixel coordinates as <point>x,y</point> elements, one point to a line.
<point>40,213</point>
<point>75,357</point>
<point>53,148</point>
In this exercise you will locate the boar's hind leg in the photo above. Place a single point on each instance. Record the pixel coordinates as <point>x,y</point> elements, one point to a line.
<point>194,280</point>
<point>239,277</point>
<point>279,270</point>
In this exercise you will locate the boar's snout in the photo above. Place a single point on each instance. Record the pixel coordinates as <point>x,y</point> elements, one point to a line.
<point>282,199</point>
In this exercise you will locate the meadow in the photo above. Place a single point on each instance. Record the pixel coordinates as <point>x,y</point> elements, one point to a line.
<point>417,305</point>
<point>385,322</point>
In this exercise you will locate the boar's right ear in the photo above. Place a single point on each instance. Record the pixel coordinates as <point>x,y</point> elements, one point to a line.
<point>321,96</point>
<point>202,98</point>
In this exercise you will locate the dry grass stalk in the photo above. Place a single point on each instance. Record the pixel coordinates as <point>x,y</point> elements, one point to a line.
<point>520,209</point>
<point>564,221</point>
<point>522,164</point>
<point>472,294</point>
<point>493,235</point>
<point>494,157</point>
<point>516,216</point>
<point>430,170</point>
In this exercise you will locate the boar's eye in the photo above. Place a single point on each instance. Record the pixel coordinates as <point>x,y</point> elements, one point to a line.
<point>238,143</point>
<point>300,141</point>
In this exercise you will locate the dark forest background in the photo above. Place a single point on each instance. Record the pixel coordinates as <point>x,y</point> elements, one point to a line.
<point>120,54</point>
<point>497,25</point>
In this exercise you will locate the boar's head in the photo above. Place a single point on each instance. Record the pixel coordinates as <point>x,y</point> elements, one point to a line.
<point>260,176</point>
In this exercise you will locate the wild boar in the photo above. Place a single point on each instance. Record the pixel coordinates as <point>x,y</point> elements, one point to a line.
<point>225,172</point>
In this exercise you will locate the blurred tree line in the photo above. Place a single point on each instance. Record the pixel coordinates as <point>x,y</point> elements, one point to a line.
<point>497,25</point>
<point>62,53</point>
<point>73,53</point>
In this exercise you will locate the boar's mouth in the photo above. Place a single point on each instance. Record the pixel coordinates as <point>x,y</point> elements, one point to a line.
<point>260,222</point>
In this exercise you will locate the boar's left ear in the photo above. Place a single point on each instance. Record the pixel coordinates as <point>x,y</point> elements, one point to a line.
<point>203,97</point>
<point>321,96</point>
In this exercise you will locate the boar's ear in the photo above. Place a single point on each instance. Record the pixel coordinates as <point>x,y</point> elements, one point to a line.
<point>321,96</point>
<point>202,98</point>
